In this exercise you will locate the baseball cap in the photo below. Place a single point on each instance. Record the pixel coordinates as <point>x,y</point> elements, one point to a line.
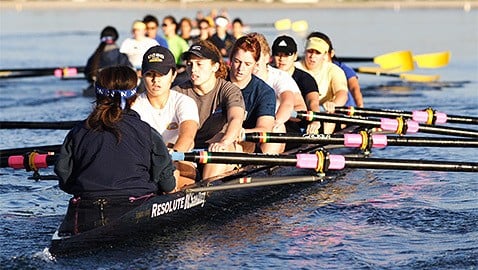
<point>139,25</point>
<point>202,52</point>
<point>317,44</point>
<point>159,59</point>
<point>284,44</point>
<point>221,21</point>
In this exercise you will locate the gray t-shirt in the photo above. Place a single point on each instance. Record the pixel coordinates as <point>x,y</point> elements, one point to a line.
<point>212,107</point>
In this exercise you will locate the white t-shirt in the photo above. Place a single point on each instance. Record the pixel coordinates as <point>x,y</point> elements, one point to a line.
<point>166,121</point>
<point>135,49</point>
<point>281,81</point>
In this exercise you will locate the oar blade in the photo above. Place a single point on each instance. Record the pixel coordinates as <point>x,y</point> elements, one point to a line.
<point>400,61</point>
<point>300,26</point>
<point>419,78</point>
<point>432,60</point>
<point>283,25</point>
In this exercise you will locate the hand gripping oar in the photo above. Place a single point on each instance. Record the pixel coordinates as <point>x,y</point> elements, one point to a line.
<point>399,125</point>
<point>363,140</point>
<point>428,116</point>
<point>37,125</point>
<point>322,161</point>
<point>37,72</point>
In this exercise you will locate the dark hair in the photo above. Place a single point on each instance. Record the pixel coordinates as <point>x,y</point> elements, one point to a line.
<point>107,111</point>
<point>237,20</point>
<point>325,38</point>
<point>204,21</point>
<point>150,18</point>
<point>173,21</point>
<point>108,35</point>
<point>222,70</point>
<point>248,44</point>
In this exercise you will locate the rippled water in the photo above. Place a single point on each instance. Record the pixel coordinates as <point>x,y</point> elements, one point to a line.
<point>369,219</point>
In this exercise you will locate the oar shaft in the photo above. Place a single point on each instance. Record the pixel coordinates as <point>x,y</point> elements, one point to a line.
<point>204,157</point>
<point>23,150</point>
<point>398,125</point>
<point>31,162</point>
<point>431,141</point>
<point>322,161</point>
<point>249,182</point>
<point>359,140</point>
<point>422,116</point>
<point>421,165</point>
<point>356,59</point>
<point>37,125</point>
<point>48,71</point>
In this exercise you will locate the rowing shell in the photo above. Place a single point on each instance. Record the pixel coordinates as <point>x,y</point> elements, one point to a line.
<point>162,214</point>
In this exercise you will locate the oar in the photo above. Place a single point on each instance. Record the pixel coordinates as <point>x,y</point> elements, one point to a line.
<point>400,61</point>
<point>23,150</point>
<point>409,77</point>
<point>284,25</point>
<point>399,125</point>
<point>432,60</point>
<point>429,60</point>
<point>15,158</point>
<point>300,26</point>
<point>323,161</point>
<point>249,182</point>
<point>38,125</point>
<point>35,72</point>
<point>427,116</point>
<point>363,140</point>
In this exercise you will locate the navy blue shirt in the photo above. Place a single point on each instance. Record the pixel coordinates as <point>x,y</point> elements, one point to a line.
<point>259,99</point>
<point>349,73</point>
<point>94,164</point>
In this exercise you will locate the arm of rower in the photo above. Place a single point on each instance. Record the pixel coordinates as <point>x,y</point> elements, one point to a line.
<point>354,88</point>
<point>286,107</point>
<point>313,104</point>
<point>235,117</point>
<point>263,124</point>
<point>299,103</point>
<point>340,98</point>
<point>187,132</point>
<point>312,100</point>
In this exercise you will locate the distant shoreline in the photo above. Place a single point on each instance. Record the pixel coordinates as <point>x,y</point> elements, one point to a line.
<point>264,4</point>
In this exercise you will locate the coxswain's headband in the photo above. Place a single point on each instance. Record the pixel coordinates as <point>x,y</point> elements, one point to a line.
<point>124,94</point>
<point>108,39</point>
